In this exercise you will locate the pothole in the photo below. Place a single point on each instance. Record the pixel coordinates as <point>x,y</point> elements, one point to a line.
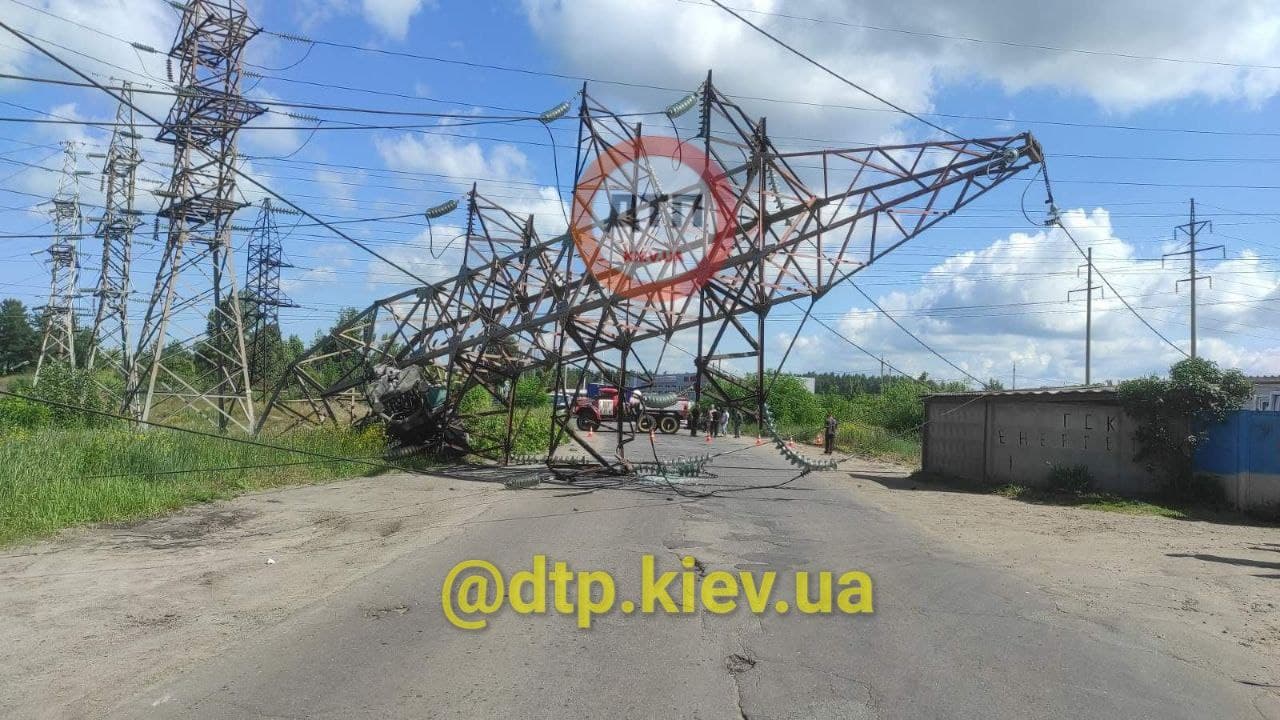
<point>737,664</point>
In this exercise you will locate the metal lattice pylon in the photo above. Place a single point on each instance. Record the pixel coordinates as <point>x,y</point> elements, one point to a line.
<point>191,356</point>
<point>263,297</point>
<point>58,343</point>
<point>109,341</point>
<point>800,224</point>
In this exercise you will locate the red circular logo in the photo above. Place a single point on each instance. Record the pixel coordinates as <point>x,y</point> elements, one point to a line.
<point>653,218</point>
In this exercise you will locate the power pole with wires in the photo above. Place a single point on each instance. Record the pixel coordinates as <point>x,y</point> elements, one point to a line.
<point>110,336</point>
<point>1088,289</point>
<point>191,354</point>
<point>58,343</point>
<point>1192,230</point>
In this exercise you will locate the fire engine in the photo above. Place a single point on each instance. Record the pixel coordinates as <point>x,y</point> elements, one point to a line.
<point>663,412</point>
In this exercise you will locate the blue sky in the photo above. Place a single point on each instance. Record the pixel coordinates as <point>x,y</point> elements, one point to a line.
<point>986,288</point>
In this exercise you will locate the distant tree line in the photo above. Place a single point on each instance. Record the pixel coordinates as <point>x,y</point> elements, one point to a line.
<point>21,330</point>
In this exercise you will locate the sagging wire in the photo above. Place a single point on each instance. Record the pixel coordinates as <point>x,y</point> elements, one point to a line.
<point>784,448</point>
<point>436,212</point>
<point>546,119</point>
<point>1054,219</point>
<point>678,108</point>
<point>912,434</point>
<point>291,66</point>
<point>314,129</point>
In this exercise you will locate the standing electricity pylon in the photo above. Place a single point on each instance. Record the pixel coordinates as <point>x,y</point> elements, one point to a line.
<point>109,341</point>
<point>1192,229</point>
<point>58,343</point>
<point>1088,289</point>
<point>191,351</point>
<point>262,294</point>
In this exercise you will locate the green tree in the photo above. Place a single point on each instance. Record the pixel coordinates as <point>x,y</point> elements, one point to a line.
<point>793,404</point>
<point>293,349</point>
<point>338,363</point>
<point>1174,415</point>
<point>19,339</point>
<point>531,391</point>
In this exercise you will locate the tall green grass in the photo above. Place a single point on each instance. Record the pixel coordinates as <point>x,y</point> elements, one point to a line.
<point>859,439</point>
<point>52,478</point>
<point>878,442</point>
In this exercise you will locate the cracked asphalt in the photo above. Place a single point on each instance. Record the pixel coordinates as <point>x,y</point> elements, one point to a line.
<point>952,636</point>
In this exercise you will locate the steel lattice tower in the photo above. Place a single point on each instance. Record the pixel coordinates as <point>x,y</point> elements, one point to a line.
<point>262,293</point>
<point>191,349</point>
<point>58,343</point>
<point>110,339</point>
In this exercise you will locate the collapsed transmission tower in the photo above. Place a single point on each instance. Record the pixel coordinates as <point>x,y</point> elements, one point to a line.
<point>651,259</point>
<point>263,297</point>
<point>59,314</point>
<point>109,341</point>
<point>191,354</point>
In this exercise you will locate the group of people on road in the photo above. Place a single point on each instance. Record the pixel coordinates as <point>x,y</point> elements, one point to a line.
<point>715,422</point>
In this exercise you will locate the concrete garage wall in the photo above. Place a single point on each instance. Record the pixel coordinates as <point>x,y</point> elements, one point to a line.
<point>954,438</point>
<point>1244,454</point>
<point>1015,436</point>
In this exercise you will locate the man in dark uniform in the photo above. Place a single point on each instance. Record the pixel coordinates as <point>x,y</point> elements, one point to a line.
<point>713,421</point>
<point>693,421</point>
<point>829,434</point>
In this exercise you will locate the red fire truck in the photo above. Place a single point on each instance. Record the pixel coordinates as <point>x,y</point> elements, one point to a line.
<point>665,412</point>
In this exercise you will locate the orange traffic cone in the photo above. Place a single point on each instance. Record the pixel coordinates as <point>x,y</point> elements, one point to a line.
<point>708,437</point>
<point>651,436</point>
<point>758,441</point>
<point>792,442</point>
<point>591,433</point>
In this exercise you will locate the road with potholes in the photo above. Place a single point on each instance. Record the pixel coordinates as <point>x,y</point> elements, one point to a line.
<point>949,637</point>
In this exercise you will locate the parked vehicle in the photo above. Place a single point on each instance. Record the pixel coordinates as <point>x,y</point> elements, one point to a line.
<point>663,412</point>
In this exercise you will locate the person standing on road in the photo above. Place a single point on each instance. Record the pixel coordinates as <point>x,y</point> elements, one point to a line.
<point>829,434</point>
<point>724,422</point>
<point>737,423</point>
<point>713,421</point>
<point>693,421</point>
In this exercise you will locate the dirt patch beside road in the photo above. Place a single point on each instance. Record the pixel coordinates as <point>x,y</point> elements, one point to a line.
<point>96,613</point>
<point>1209,591</point>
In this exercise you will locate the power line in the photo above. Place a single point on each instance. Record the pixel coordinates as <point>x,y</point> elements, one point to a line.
<point>305,105</point>
<point>831,72</point>
<point>913,336</point>
<point>294,37</point>
<point>994,41</point>
<point>234,169</point>
<point>1058,222</point>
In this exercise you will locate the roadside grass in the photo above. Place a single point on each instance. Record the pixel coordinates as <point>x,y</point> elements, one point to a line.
<point>868,441</point>
<point>53,478</point>
<point>877,442</point>
<point>1103,502</point>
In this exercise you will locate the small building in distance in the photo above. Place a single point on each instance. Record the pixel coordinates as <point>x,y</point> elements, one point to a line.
<point>1266,393</point>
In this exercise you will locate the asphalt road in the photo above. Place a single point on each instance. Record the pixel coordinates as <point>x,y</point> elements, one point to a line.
<point>949,637</point>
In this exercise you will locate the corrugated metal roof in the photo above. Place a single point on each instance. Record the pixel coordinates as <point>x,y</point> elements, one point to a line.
<point>1092,390</point>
